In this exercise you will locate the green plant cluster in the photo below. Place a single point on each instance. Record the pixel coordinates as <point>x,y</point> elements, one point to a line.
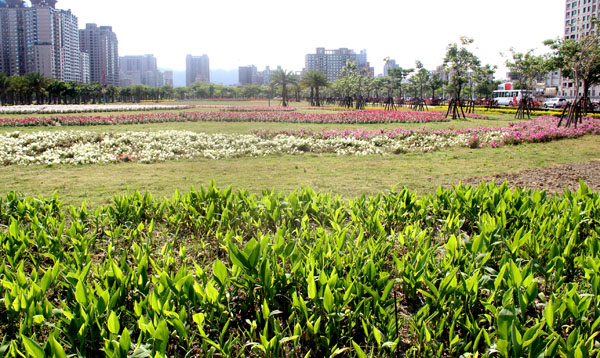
<point>483,271</point>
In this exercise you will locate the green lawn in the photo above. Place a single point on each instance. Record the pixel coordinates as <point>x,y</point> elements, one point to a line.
<point>348,176</point>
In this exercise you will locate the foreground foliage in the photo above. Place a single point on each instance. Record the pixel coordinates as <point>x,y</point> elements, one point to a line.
<point>487,271</point>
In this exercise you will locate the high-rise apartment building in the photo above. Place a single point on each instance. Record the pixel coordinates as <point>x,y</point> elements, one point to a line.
<point>168,77</point>
<point>140,70</point>
<point>248,75</point>
<point>197,69</point>
<point>578,23</point>
<point>101,44</point>
<point>331,62</point>
<point>39,39</point>
<point>388,66</point>
<point>85,67</point>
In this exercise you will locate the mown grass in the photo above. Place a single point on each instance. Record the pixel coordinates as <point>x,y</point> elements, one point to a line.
<point>347,176</point>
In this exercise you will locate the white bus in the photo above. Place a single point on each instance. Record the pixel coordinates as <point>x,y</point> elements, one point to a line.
<point>505,97</point>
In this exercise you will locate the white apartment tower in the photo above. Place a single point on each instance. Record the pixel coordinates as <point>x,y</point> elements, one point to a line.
<point>102,46</point>
<point>331,62</point>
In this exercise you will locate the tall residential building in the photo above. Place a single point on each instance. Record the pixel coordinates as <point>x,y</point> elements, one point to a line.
<point>388,66</point>
<point>103,48</point>
<point>248,75</point>
<point>141,70</point>
<point>331,62</point>
<point>197,69</point>
<point>85,67</point>
<point>39,39</point>
<point>168,77</point>
<point>267,76</point>
<point>578,23</point>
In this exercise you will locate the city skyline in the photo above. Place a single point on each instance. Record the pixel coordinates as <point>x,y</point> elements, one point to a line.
<point>257,33</point>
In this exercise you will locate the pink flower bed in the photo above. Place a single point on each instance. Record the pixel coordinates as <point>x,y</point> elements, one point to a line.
<point>542,129</point>
<point>362,117</point>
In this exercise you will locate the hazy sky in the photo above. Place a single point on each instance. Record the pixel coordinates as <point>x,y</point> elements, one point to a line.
<point>281,32</point>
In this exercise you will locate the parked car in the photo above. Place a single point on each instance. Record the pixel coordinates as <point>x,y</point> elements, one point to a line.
<point>555,103</point>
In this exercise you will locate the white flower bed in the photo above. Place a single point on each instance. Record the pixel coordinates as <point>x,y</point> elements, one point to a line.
<point>83,108</point>
<point>83,147</point>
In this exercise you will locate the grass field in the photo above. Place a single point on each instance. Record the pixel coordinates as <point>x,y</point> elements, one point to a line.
<point>348,176</point>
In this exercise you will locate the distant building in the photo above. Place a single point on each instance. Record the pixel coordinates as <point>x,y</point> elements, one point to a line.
<point>103,48</point>
<point>248,75</point>
<point>197,69</point>
<point>141,70</point>
<point>578,23</point>
<point>388,66</point>
<point>85,67</point>
<point>267,76</point>
<point>331,62</point>
<point>168,77</point>
<point>39,39</point>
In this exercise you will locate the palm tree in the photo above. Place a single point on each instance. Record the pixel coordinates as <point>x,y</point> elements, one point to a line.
<point>315,80</point>
<point>18,87</point>
<point>37,82</point>
<point>283,78</point>
<point>3,87</point>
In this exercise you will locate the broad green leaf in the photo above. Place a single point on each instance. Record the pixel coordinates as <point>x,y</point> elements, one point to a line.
<point>113,323</point>
<point>312,286</point>
<point>33,348</point>
<point>516,274</point>
<point>549,314</point>
<point>162,336</point>
<point>328,300</point>
<point>359,352</point>
<point>220,272</point>
<point>81,294</point>
<point>338,351</point>
<point>125,342</point>
<point>57,349</point>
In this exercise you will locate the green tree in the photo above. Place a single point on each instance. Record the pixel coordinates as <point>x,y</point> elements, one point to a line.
<point>420,78</point>
<point>458,63</point>
<point>315,80</point>
<point>283,79</point>
<point>485,83</point>
<point>3,87</point>
<point>166,92</point>
<point>396,78</point>
<point>435,82</point>
<point>580,62</point>
<point>527,67</point>
<point>37,82</point>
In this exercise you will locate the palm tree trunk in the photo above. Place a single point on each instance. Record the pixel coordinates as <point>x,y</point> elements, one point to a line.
<point>318,100</point>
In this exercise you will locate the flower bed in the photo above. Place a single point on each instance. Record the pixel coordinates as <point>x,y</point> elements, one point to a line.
<point>226,108</point>
<point>436,110</point>
<point>541,129</point>
<point>362,117</point>
<point>82,147</point>
<point>83,108</point>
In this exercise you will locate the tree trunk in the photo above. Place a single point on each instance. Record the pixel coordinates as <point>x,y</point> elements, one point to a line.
<point>318,102</point>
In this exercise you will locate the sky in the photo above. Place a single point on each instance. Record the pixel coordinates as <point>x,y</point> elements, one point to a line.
<point>237,33</point>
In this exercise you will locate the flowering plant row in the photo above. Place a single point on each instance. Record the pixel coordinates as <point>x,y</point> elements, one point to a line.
<point>362,117</point>
<point>82,147</point>
<point>542,129</point>
<point>437,110</point>
<point>82,108</point>
<point>226,108</point>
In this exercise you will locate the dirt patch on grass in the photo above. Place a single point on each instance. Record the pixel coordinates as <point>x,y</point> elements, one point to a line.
<point>552,179</point>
